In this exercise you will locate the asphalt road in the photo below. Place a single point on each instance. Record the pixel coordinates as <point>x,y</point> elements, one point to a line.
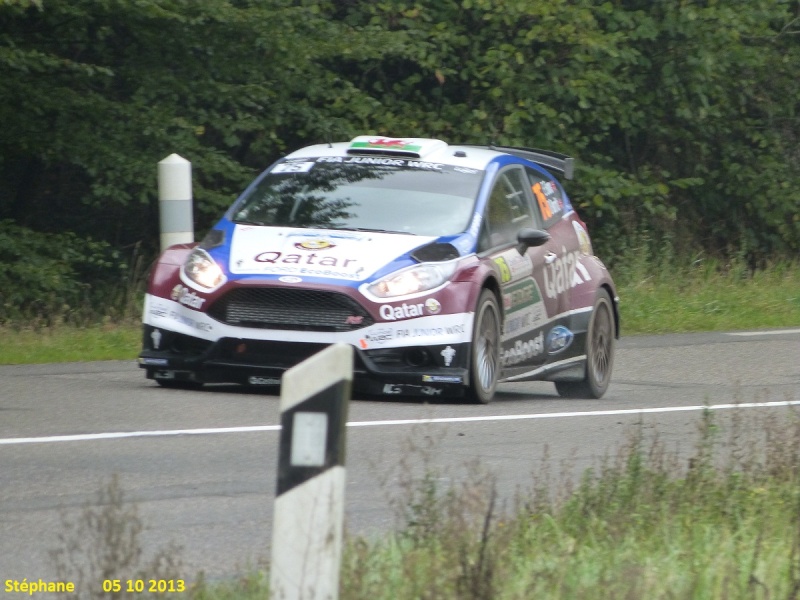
<point>200,467</point>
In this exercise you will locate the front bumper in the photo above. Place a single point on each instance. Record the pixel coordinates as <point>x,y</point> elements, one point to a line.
<point>428,370</point>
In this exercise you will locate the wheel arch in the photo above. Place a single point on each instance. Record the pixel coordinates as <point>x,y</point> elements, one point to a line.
<point>614,306</point>
<point>491,284</point>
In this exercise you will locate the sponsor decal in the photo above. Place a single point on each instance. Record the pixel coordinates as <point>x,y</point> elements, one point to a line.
<point>521,295</point>
<point>391,143</point>
<point>524,308</point>
<point>522,351</point>
<point>433,305</point>
<point>379,336</point>
<point>564,273</point>
<point>256,380</point>
<point>290,279</point>
<point>389,312</point>
<point>287,252</point>
<point>430,390</point>
<point>583,238</point>
<point>559,339</point>
<point>276,257</point>
<point>505,272</point>
<point>155,337</point>
<point>448,354</point>
<point>442,379</point>
<point>158,309</point>
<point>382,161</point>
<point>164,375</point>
<point>431,331</point>
<point>293,167</point>
<point>523,320</point>
<point>475,226</point>
<point>394,389</point>
<point>314,245</point>
<point>157,362</point>
<point>190,322</point>
<point>187,297</point>
<point>513,266</point>
<point>548,198</point>
<point>370,160</point>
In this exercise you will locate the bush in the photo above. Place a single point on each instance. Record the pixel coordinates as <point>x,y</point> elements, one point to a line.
<point>55,276</point>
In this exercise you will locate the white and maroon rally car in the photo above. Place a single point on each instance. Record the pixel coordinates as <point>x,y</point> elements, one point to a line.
<point>447,268</point>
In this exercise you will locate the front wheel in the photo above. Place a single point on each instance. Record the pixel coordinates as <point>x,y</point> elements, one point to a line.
<point>599,353</point>
<point>485,349</point>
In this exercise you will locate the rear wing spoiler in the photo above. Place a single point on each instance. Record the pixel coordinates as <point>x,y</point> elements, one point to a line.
<point>553,160</point>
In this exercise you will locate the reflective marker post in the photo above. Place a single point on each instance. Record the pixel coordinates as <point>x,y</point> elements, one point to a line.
<point>309,505</point>
<point>175,201</point>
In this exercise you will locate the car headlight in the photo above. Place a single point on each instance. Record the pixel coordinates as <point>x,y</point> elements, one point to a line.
<point>202,270</point>
<point>416,279</point>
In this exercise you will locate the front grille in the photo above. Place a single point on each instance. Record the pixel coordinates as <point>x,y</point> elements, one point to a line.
<point>282,308</point>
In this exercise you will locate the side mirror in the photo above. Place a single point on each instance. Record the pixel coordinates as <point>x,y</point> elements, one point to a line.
<point>531,238</point>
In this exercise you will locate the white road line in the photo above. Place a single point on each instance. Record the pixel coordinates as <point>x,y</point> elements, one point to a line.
<point>88,437</point>
<point>772,332</point>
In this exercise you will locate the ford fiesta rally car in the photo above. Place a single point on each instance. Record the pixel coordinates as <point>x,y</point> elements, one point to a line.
<point>447,268</point>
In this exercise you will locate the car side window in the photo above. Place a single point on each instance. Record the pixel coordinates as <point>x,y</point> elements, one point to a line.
<point>508,210</point>
<point>547,193</point>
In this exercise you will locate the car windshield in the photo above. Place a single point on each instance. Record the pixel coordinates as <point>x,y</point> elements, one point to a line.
<point>363,193</point>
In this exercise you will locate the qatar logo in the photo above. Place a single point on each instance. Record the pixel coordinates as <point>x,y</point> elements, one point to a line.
<point>314,245</point>
<point>187,297</point>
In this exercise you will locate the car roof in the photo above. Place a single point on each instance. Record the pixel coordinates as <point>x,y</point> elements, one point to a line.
<point>435,151</point>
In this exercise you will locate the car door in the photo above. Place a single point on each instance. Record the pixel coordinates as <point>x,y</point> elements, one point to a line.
<point>509,209</point>
<point>555,262</point>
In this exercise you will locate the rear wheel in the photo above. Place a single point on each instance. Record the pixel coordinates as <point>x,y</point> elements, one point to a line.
<point>485,349</point>
<point>599,353</point>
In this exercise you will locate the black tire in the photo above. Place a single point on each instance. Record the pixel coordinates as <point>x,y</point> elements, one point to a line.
<point>599,353</point>
<point>485,349</point>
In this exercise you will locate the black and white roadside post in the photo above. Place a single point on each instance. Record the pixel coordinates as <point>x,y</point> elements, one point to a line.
<point>309,505</point>
<point>175,201</point>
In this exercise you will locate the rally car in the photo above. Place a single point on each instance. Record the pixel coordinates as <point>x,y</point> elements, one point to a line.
<point>448,268</point>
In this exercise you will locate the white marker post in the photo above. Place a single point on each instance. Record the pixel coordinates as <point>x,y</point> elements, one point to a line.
<point>309,505</point>
<point>175,201</point>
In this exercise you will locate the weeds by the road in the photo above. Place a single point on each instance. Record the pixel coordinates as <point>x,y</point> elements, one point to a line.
<point>648,522</point>
<point>100,551</point>
<point>721,521</point>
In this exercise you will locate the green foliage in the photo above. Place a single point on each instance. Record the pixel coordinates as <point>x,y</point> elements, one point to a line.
<point>48,275</point>
<point>683,115</point>
<point>94,93</point>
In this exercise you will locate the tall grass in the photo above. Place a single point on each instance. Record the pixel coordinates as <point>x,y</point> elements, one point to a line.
<point>717,521</point>
<point>665,290</point>
<point>721,523</point>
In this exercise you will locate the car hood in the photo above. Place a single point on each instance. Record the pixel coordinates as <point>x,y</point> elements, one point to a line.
<point>320,253</point>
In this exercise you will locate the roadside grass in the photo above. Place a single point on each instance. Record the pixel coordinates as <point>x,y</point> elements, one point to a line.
<point>708,296</point>
<point>719,521</point>
<point>655,297</point>
<point>29,344</point>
